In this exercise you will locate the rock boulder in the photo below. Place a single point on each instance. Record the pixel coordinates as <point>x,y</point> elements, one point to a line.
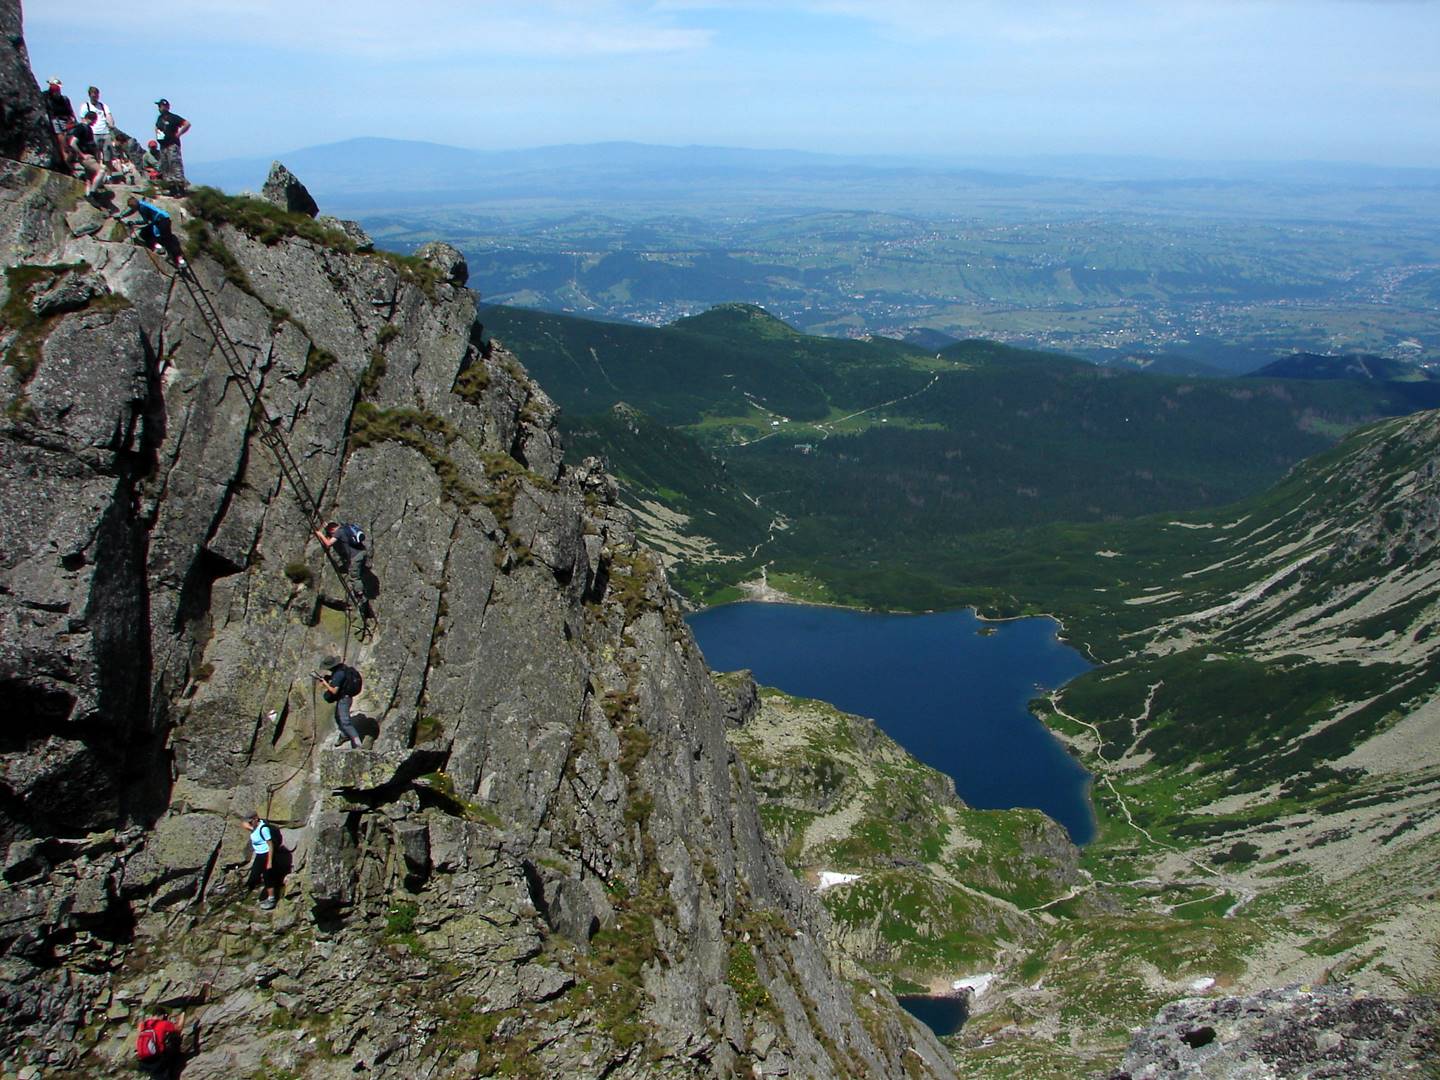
<point>284,189</point>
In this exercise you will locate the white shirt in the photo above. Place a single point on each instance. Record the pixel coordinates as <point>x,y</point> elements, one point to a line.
<point>103,120</point>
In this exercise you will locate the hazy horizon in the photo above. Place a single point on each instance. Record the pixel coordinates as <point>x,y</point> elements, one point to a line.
<point>1269,81</point>
<point>997,161</point>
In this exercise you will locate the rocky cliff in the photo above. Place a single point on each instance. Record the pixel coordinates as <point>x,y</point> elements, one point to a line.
<point>546,860</point>
<point>1295,1033</point>
<point>24,124</point>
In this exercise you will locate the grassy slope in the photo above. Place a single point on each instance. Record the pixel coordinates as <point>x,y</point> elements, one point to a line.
<point>945,892</point>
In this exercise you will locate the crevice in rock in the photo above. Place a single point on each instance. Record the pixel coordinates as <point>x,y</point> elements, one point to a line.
<point>194,600</point>
<point>437,630</point>
<point>280,720</point>
<point>34,710</point>
<point>254,742</point>
<point>207,873</point>
<point>119,617</point>
<point>535,887</point>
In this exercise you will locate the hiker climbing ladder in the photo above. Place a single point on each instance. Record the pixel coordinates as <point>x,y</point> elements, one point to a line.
<point>270,433</point>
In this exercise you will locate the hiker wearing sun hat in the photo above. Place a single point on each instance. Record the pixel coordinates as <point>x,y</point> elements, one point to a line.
<point>169,126</point>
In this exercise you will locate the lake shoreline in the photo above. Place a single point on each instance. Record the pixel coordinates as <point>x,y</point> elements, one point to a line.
<point>952,704</point>
<point>760,591</point>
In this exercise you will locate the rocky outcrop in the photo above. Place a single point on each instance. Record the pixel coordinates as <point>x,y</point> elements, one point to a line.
<point>284,189</point>
<point>866,822</point>
<point>24,125</point>
<point>1290,1034</point>
<point>447,259</point>
<point>353,231</point>
<point>546,860</point>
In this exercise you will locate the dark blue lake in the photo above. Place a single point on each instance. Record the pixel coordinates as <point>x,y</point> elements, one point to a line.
<point>953,696</point>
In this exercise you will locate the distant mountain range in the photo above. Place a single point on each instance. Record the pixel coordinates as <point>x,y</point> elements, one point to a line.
<point>376,172</point>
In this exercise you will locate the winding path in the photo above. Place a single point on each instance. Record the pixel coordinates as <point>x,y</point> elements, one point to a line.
<point>1228,884</point>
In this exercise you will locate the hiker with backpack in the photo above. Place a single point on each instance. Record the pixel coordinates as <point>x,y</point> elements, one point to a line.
<point>348,543</point>
<point>264,868</point>
<point>341,687</point>
<point>154,229</point>
<point>103,125</point>
<point>157,1046</point>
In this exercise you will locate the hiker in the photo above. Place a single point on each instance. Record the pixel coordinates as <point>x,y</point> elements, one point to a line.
<point>263,869</point>
<point>85,153</point>
<point>341,687</point>
<point>169,126</point>
<point>103,125</point>
<point>157,1046</point>
<point>154,231</point>
<point>121,170</point>
<point>62,115</point>
<point>348,544</point>
<point>150,160</point>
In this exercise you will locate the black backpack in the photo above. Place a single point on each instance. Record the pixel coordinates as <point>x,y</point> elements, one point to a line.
<point>346,680</point>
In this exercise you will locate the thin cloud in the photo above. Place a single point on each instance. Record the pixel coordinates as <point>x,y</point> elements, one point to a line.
<point>425,29</point>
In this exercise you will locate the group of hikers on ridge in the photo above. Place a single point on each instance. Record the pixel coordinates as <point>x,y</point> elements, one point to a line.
<point>91,147</point>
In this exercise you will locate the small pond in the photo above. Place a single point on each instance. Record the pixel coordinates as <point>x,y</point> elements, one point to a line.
<point>942,1015</point>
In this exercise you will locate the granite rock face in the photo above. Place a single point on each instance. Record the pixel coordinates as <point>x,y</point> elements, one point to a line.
<point>24,125</point>
<point>1290,1034</point>
<point>353,230</point>
<point>545,861</point>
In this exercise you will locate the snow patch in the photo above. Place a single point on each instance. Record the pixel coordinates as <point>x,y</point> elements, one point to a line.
<point>830,878</point>
<point>1200,985</point>
<point>976,984</point>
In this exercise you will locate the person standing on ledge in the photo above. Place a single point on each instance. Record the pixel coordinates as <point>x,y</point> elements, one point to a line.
<point>62,115</point>
<point>169,126</point>
<point>262,868</point>
<point>103,126</point>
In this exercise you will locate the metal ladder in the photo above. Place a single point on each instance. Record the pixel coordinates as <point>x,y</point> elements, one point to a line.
<point>270,435</point>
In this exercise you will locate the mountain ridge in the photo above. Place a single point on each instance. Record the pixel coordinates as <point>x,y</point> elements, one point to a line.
<point>543,859</point>
<point>934,445</point>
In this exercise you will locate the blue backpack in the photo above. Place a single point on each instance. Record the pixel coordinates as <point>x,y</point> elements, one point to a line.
<point>352,535</point>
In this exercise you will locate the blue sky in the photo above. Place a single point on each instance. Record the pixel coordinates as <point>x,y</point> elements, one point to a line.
<point>1272,80</point>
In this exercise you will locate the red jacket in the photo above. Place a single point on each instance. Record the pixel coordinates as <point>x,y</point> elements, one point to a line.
<point>157,1038</point>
